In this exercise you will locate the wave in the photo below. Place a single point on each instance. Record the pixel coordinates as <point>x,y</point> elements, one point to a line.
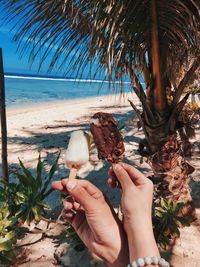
<point>59,79</point>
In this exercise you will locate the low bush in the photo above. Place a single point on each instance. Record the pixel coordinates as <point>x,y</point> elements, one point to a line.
<point>167,221</point>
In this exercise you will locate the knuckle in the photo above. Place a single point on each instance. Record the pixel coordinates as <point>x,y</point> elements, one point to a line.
<point>85,183</point>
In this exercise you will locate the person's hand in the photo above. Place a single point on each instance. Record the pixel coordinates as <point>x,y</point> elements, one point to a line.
<point>136,202</point>
<point>94,221</point>
<point>137,191</point>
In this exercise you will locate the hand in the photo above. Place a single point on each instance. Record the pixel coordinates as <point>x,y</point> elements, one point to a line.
<point>137,193</point>
<point>136,202</point>
<point>95,221</point>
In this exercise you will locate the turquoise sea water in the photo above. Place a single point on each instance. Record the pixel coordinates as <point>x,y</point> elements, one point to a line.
<point>21,91</point>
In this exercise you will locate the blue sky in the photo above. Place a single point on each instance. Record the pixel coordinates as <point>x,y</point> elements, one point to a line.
<point>11,57</point>
<point>12,60</point>
<point>14,63</point>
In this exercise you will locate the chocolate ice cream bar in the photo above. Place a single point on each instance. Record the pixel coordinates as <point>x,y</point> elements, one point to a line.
<point>107,138</point>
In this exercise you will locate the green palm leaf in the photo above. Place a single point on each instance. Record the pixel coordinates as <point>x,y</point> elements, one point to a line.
<point>51,173</point>
<point>39,172</point>
<point>27,174</point>
<point>122,37</point>
<point>116,32</point>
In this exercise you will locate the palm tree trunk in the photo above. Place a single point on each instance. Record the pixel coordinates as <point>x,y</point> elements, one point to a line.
<point>159,92</point>
<point>3,121</point>
<point>166,158</point>
<point>171,174</point>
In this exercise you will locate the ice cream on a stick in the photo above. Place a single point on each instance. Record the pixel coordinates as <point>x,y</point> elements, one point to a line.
<point>107,138</point>
<point>77,153</point>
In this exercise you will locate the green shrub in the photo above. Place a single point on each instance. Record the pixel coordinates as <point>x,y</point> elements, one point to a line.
<point>8,195</point>
<point>7,235</point>
<point>27,198</point>
<point>168,221</point>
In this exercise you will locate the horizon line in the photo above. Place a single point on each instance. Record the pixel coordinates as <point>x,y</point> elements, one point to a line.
<point>10,76</point>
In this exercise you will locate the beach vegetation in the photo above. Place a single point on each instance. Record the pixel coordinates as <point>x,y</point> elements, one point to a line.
<point>7,235</point>
<point>167,221</point>
<point>21,204</point>
<point>26,199</point>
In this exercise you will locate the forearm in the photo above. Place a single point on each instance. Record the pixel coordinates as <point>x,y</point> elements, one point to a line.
<point>119,258</point>
<point>141,240</point>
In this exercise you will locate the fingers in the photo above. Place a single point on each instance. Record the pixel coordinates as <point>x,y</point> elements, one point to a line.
<point>83,192</point>
<point>123,177</point>
<point>89,187</point>
<point>112,174</point>
<point>80,194</point>
<point>68,214</point>
<point>69,203</point>
<point>136,176</point>
<point>57,185</point>
<point>73,212</point>
<point>113,181</point>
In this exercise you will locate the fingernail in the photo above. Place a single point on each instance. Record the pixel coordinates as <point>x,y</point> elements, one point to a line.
<point>71,185</point>
<point>117,167</point>
<point>66,205</point>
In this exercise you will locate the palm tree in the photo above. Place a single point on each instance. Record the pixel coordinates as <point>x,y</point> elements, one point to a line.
<point>144,39</point>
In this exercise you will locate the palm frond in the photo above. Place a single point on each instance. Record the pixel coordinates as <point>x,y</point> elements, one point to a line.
<point>114,32</point>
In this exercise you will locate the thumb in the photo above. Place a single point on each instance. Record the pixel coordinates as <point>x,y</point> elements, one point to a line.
<point>79,193</point>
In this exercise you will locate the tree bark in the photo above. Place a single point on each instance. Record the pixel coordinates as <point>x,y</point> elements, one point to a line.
<point>172,172</point>
<point>3,122</point>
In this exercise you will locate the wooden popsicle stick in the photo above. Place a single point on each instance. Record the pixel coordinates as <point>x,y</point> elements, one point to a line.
<point>73,173</point>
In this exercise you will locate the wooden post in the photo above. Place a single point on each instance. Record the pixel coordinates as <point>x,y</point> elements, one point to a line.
<point>3,122</point>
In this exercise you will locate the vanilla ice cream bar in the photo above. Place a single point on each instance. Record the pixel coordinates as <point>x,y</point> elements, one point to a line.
<point>77,153</point>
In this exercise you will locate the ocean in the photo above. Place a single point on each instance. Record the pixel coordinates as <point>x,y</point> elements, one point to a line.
<point>23,90</point>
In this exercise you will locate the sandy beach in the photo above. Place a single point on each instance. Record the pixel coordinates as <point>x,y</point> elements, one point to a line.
<point>46,128</point>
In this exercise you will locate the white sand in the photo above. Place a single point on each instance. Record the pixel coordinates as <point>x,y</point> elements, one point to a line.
<point>46,128</point>
<point>28,127</point>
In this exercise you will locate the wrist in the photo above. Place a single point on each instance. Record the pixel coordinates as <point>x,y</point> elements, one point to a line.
<point>141,239</point>
<point>118,258</point>
<point>138,223</point>
<point>134,220</point>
